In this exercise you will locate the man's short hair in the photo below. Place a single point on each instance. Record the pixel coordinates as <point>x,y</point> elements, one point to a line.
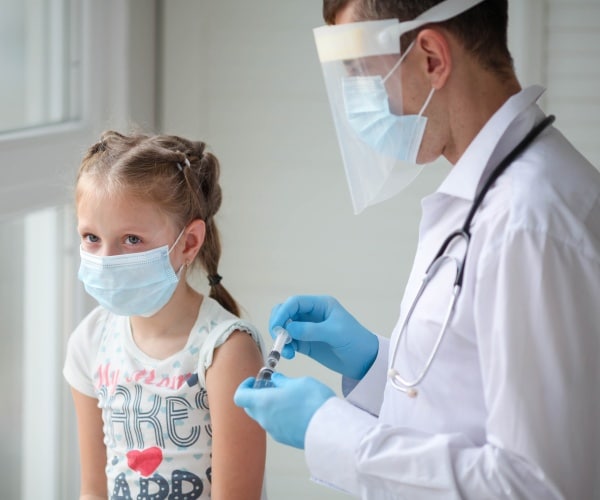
<point>482,30</point>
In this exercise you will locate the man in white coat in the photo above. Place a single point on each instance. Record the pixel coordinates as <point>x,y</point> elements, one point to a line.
<point>488,386</point>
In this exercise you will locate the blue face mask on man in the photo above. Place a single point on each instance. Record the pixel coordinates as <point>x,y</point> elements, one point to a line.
<point>368,112</point>
<point>133,284</point>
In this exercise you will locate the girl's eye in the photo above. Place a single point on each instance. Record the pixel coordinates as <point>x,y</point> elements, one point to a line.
<point>91,238</point>
<point>133,240</point>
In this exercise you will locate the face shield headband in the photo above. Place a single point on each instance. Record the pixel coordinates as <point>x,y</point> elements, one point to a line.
<point>361,62</point>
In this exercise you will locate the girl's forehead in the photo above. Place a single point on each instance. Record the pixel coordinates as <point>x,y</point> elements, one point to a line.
<point>95,202</point>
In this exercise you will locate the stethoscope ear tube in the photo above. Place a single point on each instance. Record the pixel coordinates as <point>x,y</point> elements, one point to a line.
<point>503,165</point>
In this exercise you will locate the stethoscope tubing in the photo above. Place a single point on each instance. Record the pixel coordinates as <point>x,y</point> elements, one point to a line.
<point>397,381</point>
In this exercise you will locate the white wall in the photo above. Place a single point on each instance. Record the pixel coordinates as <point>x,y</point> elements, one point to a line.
<point>244,77</point>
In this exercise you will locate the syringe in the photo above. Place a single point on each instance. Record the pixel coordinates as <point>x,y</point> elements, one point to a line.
<point>263,379</point>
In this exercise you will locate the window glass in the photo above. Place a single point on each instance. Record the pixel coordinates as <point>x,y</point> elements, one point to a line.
<point>11,355</point>
<point>37,428</point>
<point>39,67</point>
<point>45,48</point>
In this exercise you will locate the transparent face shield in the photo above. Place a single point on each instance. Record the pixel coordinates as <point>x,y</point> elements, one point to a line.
<point>362,65</point>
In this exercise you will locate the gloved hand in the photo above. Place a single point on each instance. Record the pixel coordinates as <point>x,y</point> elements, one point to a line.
<point>284,410</point>
<point>322,329</point>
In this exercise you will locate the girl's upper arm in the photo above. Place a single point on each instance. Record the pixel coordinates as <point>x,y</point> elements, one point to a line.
<point>92,450</point>
<point>239,443</point>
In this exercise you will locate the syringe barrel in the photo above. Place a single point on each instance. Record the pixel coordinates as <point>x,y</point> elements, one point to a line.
<point>282,338</point>
<point>263,379</point>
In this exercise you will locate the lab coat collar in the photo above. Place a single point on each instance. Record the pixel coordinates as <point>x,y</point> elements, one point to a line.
<point>498,134</point>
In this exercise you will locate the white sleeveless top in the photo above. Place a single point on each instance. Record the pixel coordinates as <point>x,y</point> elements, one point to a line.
<point>157,427</point>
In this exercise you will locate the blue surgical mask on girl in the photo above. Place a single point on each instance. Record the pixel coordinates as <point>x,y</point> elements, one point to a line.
<point>368,112</point>
<point>133,284</point>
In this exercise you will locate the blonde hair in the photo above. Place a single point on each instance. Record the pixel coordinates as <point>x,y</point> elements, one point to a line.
<point>177,175</point>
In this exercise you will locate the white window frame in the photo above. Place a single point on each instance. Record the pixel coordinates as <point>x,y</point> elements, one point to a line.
<point>116,62</point>
<point>117,48</point>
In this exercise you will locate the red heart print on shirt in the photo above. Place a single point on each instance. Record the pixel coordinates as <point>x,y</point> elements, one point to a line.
<point>145,461</point>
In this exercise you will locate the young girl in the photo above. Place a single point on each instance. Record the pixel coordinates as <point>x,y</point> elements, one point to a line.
<point>154,368</point>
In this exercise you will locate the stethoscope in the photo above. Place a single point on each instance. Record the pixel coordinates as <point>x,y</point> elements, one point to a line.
<point>409,386</point>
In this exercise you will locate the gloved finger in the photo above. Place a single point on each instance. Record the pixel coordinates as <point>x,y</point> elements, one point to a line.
<point>303,347</point>
<point>279,379</point>
<point>253,401</point>
<point>312,308</point>
<point>289,350</point>
<point>249,382</point>
<point>307,331</point>
<point>243,395</point>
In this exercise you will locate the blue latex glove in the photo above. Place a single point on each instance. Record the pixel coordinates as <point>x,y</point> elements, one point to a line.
<point>322,329</point>
<point>284,410</point>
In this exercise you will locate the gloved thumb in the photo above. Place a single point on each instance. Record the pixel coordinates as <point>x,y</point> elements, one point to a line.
<point>242,394</point>
<point>249,382</point>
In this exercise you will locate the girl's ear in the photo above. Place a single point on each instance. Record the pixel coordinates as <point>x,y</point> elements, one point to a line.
<point>193,238</point>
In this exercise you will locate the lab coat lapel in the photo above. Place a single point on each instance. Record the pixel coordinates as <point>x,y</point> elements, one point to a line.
<point>496,139</point>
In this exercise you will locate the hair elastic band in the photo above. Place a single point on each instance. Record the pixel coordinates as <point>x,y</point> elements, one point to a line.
<point>214,279</point>
<point>187,164</point>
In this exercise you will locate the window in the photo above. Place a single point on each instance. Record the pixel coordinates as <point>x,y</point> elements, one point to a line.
<point>573,73</point>
<point>36,304</point>
<point>556,43</point>
<point>68,72</point>
<point>40,66</point>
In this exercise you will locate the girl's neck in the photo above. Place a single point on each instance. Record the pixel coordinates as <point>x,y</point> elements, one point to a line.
<point>167,332</point>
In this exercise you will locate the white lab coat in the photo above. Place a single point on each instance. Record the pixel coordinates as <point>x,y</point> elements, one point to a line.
<point>511,405</point>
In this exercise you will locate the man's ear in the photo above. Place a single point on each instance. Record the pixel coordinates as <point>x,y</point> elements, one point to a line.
<point>193,239</point>
<point>434,43</point>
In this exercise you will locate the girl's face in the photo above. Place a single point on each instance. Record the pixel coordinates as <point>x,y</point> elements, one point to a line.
<point>114,225</point>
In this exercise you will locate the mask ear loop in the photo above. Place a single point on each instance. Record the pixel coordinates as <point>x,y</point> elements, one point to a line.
<point>395,67</point>
<point>427,101</point>
<point>181,270</point>
<point>399,62</point>
<point>184,265</point>
<point>176,241</point>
